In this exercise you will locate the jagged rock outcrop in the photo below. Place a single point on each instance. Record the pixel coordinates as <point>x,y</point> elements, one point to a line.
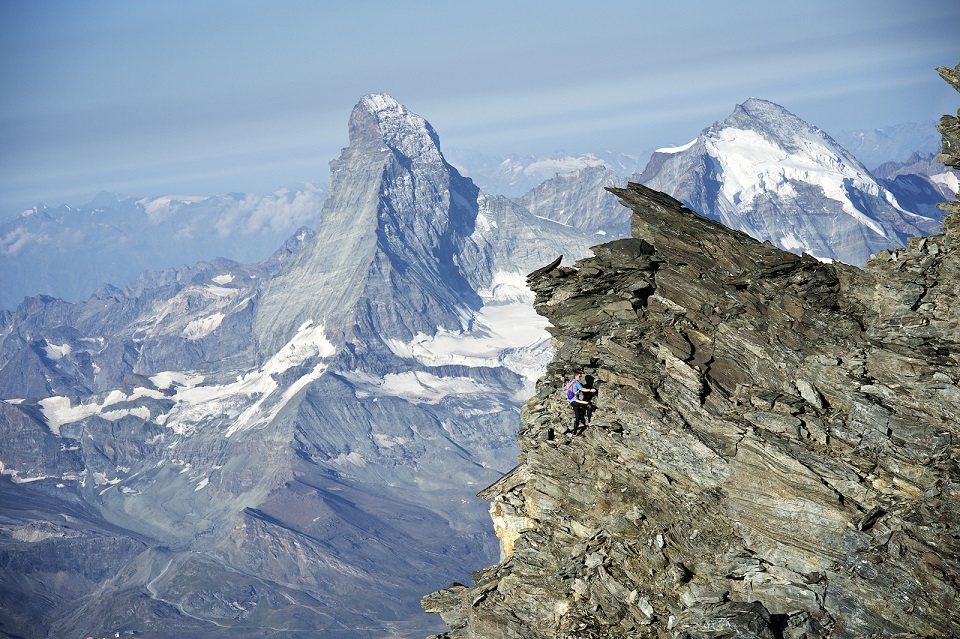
<point>774,453</point>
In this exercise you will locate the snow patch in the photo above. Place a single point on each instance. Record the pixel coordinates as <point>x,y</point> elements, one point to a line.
<point>140,411</point>
<point>223,279</point>
<point>677,149</point>
<point>385,441</point>
<point>167,379</point>
<point>791,242</point>
<point>426,388</point>
<point>485,224</point>
<point>493,331</point>
<point>222,291</point>
<point>948,179</point>
<point>57,411</point>
<point>354,458</point>
<point>55,352</point>
<point>752,165</point>
<point>252,400</point>
<point>505,332</point>
<point>117,396</point>
<point>200,328</point>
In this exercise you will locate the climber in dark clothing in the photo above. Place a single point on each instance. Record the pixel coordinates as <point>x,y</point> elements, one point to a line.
<point>588,393</point>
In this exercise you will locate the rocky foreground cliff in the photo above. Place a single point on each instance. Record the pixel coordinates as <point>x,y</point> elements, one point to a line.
<point>774,454</point>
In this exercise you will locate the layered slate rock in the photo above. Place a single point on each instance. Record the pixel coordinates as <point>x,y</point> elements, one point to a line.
<point>774,453</point>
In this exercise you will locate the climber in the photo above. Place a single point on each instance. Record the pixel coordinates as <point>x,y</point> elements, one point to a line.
<point>579,405</point>
<point>588,393</point>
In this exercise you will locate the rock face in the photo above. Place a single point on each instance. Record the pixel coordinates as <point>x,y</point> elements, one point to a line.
<point>774,452</point>
<point>766,172</point>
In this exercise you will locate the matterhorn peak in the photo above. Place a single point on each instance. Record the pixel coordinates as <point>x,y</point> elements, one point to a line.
<point>379,121</point>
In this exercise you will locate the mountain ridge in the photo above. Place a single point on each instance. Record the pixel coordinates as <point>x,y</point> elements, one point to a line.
<point>773,452</point>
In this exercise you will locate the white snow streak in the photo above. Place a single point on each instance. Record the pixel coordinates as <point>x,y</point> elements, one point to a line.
<point>56,352</point>
<point>948,179</point>
<point>677,149</point>
<point>202,327</point>
<point>58,411</point>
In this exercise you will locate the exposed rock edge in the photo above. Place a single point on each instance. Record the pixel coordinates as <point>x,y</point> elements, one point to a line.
<point>774,454</point>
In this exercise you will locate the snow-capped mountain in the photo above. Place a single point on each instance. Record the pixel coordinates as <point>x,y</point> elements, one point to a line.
<point>70,252</point>
<point>514,175</point>
<point>768,173</point>
<point>408,246</point>
<point>229,450</point>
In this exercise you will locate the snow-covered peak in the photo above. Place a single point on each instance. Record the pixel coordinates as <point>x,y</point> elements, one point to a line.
<point>394,127</point>
<point>763,148</point>
<point>769,173</point>
<point>753,165</point>
<point>677,149</point>
<point>782,128</point>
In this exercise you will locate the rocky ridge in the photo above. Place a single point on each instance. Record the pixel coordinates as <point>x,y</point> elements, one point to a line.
<point>774,453</point>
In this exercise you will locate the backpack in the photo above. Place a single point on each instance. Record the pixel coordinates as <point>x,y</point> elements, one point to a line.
<point>570,393</point>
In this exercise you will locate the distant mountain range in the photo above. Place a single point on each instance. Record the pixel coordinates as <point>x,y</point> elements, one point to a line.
<point>69,252</point>
<point>72,251</point>
<point>514,175</point>
<point>235,450</point>
<point>892,143</point>
<point>292,443</point>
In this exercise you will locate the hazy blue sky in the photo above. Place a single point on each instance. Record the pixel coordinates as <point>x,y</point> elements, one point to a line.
<point>203,97</point>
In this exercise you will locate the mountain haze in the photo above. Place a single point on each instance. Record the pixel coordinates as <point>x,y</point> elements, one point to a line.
<point>71,252</point>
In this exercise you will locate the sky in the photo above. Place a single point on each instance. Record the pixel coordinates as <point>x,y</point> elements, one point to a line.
<point>205,97</point>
